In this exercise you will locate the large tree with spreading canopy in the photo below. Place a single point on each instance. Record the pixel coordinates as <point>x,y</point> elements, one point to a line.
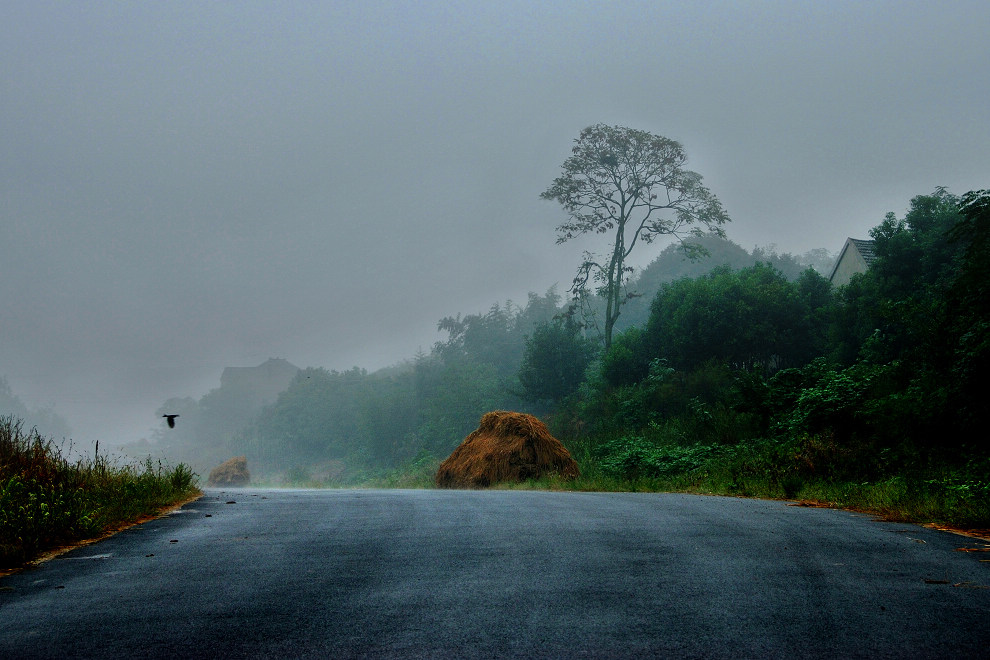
<point>631,185</point>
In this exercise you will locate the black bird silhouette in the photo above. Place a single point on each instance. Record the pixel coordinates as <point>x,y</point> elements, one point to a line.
<point>171,420</point>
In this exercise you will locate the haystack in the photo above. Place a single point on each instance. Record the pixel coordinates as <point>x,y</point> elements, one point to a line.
<point>230,473</point>
<point>507,446</point>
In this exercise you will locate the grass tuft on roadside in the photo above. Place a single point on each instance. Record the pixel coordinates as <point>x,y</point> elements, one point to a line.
<point>802,470</point>
<point>47,501</point>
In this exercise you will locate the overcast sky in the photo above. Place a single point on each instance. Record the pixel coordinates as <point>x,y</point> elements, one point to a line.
<point>186,186</point>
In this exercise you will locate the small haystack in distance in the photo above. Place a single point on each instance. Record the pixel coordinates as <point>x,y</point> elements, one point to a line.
<point>230,473</point>
<point>507,446</point>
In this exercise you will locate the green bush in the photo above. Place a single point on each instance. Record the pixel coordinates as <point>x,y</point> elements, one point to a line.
<point>633,457</point>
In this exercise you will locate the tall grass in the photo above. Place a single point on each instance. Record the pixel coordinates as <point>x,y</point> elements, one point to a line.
<point>800,470</point>
<point>47,501</point>
<point>416,473</point>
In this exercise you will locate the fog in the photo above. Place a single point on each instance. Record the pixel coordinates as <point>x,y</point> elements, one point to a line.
<point>187,186</point>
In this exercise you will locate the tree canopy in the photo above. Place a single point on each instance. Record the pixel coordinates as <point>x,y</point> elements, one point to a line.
<point>555,360</point>
<point>632,185</point>
<point>750,319</point>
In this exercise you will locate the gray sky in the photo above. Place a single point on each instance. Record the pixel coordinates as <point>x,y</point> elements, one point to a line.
<point>189,185</point>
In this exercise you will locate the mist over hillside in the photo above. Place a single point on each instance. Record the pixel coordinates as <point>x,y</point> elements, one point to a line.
<point>324,424</point>
<point>192,186</point>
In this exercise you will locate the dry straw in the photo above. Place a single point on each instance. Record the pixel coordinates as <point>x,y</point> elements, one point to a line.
<point>507,446</point>
<point>233,472</point>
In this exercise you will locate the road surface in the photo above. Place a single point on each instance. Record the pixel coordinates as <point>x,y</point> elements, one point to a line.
<point>463,574</point>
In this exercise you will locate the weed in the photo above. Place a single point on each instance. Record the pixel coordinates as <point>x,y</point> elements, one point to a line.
<point>46,501</point>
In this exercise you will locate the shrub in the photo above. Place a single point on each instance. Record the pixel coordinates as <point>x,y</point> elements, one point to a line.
<point>632,457</point>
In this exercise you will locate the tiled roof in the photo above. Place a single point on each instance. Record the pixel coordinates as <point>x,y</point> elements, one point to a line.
<point>865,250</point>
<point>863,247</point>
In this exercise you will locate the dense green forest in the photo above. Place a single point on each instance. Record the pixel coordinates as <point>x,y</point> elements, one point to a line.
<point>738,372</point>
<point>744,381</point>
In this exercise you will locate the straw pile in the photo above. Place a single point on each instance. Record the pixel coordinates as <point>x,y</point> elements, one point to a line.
<point>507,446</point>
<point>230,473</point>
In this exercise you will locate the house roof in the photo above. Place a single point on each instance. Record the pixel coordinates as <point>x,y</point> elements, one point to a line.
<point>859,245</point>
<point>865,250</point>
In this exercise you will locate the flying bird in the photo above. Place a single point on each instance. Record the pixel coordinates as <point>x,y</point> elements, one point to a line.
<point>171,420</point>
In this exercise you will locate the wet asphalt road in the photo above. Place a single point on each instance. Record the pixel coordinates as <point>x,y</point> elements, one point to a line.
<point>461,574</point>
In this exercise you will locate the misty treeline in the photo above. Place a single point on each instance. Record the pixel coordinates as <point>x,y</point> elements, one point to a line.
<point>748,360</point>
<point>45,420</point>
<point>341,426</point>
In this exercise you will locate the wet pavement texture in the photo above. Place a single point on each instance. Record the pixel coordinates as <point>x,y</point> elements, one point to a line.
<point>251,573</point>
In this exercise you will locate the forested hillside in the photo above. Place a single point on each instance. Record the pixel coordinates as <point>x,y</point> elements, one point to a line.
<point>742,381</point>
<point>345,425</point>
<point>744,374</point>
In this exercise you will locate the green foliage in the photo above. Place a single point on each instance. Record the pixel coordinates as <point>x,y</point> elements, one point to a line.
<point>627,360</point>
<point>352,424</point>
<point>454,396</point>
<point>829,402</point>
<point>554,361</point>
<point>673,264</point>
<point>46,501</point>
<point>316,417</point>
<point>497,337</point>
<point>792,266</point>
<point>751,318</point>
<point>899,308</point>
<point>968,306</point>
<point>418,472</point>
<point>693,406</point>
<point>867,396</point>
<point>921,313</point>
<point>755,379</point>
<point>632,457</point>
<point>35,515</point>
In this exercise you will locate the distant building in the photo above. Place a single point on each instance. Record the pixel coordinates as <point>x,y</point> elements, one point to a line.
<point>856,257</point>
<point>261,384</point>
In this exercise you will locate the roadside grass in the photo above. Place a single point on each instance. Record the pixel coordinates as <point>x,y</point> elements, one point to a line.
<point>47,501</point>
<point>809,470</point>
<point>958,497</point>
<point>895,499</point>
<point>417,473</point>
<point>900,499</point>
<point>771,470</point>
